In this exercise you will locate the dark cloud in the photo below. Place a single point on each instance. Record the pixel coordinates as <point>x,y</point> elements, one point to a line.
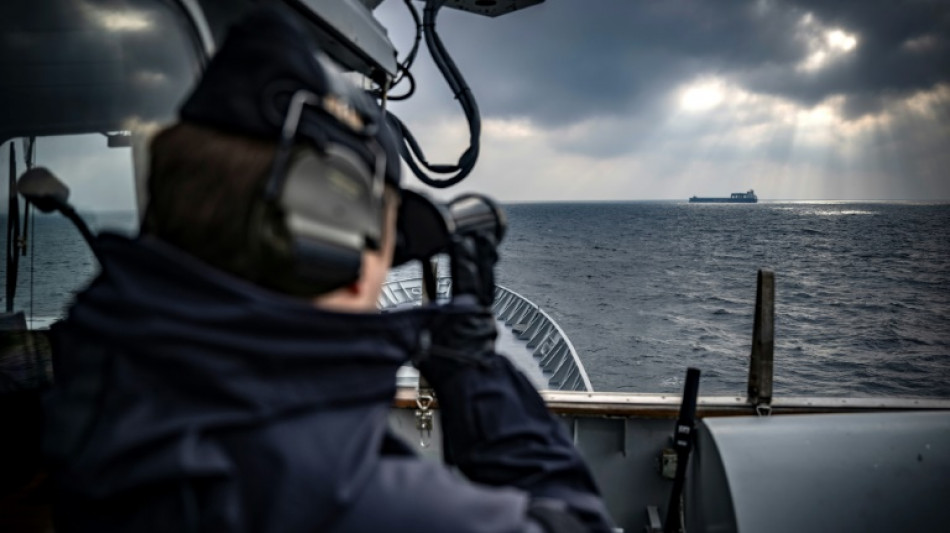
<point>565,60</point>
<point>903,47</point>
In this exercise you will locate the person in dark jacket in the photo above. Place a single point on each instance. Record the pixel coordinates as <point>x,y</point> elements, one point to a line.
<point>227,370</point>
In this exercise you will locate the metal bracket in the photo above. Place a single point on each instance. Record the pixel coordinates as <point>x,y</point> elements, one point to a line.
<point>668,463</point>
<point>424,417</point>
<point>653,520</point>
<point>623,437</point>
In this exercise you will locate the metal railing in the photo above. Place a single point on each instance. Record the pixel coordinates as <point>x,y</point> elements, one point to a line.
<point>548,344</point>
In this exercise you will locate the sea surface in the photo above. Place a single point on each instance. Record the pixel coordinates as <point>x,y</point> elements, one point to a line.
<point>646,289</point>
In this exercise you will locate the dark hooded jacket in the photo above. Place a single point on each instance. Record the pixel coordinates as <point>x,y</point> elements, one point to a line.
<point>189,400</point>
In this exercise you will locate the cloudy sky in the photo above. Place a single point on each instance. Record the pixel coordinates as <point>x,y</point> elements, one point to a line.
<point>623,99</point>
<point>663,99</point>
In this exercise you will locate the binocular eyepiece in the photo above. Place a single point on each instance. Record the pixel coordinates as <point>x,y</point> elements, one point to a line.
<point>425,226</point>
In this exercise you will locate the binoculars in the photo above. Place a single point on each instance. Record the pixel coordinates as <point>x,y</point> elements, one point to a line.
<point>425,227</point>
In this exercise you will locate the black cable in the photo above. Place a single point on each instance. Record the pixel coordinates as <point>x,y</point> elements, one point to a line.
<point>13,232</point>
<point>411,57</point>
<point>410,146</point>
<point>29,146</point>
<point>412,88</point>
<point>406,63</point>
<point>70,213</point>
<point>462,93</point>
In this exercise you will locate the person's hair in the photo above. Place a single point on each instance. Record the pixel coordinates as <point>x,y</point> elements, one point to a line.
<point>204,186</point>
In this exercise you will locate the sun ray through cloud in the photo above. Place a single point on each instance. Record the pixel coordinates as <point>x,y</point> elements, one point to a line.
<point>798,100</point>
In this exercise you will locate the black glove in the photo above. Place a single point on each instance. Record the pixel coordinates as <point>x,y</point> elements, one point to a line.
<point>463,333</point>
<point>473,266</point>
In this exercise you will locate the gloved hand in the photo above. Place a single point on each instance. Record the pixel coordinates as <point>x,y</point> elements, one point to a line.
<point>473,266</point>
<point>463,333</point>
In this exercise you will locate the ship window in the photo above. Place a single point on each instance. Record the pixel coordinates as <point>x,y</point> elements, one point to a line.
<point>88,82</point>
<point>57,262</point>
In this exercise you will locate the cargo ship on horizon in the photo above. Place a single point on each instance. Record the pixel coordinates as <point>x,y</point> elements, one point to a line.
<point>736,198</point>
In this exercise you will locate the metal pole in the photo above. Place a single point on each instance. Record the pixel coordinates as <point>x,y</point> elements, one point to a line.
<point>683,443</point>
<point>763,341</point>
<point>430,281</point>
<point>13,232</point>
<point>424,392</point>
<point>28,161</point>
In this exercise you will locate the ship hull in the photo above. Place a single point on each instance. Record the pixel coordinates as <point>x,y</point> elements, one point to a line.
<point>695,200</point>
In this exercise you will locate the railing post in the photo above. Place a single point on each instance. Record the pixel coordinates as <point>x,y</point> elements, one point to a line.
<point>425,394</point>
<point>763,341</point>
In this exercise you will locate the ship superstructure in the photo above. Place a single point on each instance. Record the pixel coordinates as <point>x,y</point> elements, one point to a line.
<point>748,197</point>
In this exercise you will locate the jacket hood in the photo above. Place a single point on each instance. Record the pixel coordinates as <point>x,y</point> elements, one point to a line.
<point>170,369</point>
<point>221,340</point>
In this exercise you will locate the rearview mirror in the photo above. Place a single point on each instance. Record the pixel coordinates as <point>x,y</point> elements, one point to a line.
<point>42,189</point>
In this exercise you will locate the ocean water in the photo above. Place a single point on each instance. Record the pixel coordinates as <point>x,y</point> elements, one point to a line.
<point>57,264</point>
<point>646,289</point>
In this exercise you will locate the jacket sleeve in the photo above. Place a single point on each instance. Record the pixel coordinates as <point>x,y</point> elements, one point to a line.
<point>498,431</point>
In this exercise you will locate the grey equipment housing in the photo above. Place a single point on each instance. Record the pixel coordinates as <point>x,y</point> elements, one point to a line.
<point>825,472</point>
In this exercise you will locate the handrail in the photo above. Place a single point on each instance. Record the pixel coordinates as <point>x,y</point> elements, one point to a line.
<point>639,405</point>
<point>528,322</point>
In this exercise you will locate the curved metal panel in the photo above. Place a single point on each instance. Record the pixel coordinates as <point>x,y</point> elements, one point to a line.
<point>82,67</point>
<point>840,472</point>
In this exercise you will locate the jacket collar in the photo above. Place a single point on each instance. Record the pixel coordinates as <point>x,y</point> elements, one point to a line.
<point>218,339</point>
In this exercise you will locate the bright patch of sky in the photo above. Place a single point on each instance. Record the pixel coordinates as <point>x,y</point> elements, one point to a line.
<point>702,96</point>
<point>825,45</point>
